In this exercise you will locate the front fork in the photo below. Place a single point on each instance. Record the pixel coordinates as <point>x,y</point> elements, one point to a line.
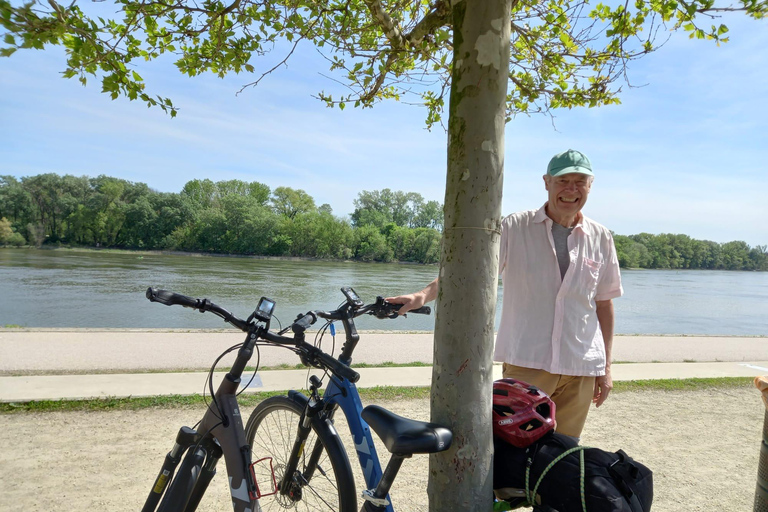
<point>210,454</point>
<point>292,480</point>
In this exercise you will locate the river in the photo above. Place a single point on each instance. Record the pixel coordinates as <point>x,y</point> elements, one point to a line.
<point>65,288</point>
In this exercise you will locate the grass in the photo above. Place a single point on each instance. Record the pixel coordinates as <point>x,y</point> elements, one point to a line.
<point>368,395</point>
<point>696,384</point>
<point>284,366</point>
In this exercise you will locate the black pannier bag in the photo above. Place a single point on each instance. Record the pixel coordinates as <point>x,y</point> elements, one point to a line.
<point>613,482</point>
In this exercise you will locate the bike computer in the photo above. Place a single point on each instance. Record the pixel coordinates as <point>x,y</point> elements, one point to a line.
<point>352,297</point>
<point>264,309</point>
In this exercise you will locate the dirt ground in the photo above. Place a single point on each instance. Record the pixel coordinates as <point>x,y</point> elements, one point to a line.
<point>703,447</point>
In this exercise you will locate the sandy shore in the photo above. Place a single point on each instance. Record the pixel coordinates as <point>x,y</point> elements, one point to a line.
<point>703,447</point>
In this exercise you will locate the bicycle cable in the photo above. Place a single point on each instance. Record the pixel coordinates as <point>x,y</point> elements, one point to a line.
<point>256,369</point>
<point>318,344</point>
<point>278,322</point>
<point>197,445</point>
<point>220,416</point>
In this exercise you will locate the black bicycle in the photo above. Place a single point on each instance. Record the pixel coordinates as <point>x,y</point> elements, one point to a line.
<point>290,451</point>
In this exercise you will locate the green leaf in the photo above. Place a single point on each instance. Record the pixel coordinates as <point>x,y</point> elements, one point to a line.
<point>137,77</point>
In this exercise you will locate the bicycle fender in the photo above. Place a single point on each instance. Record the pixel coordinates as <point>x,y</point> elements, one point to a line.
<point>298,397</point>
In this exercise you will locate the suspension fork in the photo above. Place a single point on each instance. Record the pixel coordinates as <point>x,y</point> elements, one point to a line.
<point>186,438</point>
<point>313,407</point>
<point>208,471</point>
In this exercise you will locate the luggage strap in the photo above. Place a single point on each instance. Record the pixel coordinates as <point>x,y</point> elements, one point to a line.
<point>531,495</point>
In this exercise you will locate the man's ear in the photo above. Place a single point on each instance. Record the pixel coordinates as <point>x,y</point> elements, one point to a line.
<point>546,181</point>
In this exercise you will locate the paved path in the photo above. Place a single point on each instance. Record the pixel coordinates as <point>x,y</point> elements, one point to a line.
<point>59,351</point>
<point>38,364</point>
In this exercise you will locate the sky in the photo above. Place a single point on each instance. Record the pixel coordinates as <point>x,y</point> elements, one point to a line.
<point>686,151</point>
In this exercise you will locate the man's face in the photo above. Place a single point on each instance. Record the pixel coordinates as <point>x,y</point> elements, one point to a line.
<point>567,195</point>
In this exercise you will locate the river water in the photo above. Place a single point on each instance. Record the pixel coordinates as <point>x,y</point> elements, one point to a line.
<point>63,288</point>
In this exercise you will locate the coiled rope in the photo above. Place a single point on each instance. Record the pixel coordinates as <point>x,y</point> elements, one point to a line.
<point>531,495</point>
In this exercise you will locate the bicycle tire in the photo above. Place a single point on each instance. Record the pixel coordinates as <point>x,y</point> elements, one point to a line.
<point>271,431</point>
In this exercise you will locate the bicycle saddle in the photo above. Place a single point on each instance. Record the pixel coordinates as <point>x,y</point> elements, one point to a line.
<point>403,436</point>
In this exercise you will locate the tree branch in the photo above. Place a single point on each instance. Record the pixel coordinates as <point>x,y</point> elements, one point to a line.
<point>387,24</point>
<point>438,17</point>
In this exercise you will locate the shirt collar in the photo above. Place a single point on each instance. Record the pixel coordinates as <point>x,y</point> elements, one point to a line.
<point>541,216</point>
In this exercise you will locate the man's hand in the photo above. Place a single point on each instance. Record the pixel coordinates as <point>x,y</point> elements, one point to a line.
<point>409,302</point>
<point>603,387</point>
<point>415,300</point>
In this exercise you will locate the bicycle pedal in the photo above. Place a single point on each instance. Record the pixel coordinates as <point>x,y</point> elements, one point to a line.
<point>379,502</point>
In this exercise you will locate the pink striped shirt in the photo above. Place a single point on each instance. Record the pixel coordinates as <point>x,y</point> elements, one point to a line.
<point>547,322</point>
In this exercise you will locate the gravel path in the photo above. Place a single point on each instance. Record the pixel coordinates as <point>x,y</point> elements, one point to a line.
<point>702,445</point>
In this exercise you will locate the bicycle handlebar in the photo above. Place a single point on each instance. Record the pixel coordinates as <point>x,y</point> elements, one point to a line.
<point>171,298</point>
<point>311,355</point>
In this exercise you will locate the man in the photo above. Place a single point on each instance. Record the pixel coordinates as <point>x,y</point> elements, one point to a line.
<point>560,274</point>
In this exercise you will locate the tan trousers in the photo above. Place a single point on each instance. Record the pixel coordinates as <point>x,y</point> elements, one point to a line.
<point>572,395</point>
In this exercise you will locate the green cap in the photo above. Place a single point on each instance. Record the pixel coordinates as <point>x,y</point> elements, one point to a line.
<point>568,162</point>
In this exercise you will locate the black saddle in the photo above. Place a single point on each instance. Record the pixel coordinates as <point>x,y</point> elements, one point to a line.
<point>403,436</point>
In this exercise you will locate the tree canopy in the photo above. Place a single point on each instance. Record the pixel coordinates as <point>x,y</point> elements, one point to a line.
<point>563,53</point>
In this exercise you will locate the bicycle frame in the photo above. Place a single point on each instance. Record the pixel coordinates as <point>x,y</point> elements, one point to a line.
<point>344,393</point>
<point>216,436</point>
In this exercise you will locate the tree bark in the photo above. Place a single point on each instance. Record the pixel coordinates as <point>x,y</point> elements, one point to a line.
<point>461,478</point>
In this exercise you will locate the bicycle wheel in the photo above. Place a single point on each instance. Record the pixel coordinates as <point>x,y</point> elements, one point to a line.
<point>271,431</point>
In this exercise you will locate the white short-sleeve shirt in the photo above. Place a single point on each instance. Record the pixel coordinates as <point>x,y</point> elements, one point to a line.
<point>547,322</point>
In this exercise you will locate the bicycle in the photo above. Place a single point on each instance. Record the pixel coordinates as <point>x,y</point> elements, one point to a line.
<point>310,471</point>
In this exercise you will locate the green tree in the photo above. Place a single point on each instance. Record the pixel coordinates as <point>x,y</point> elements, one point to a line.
<point>736,256</point>
<point>429,215</point>
<point>334,237</point>
<point>426,245</point>
<point>371,245</point>
<point>555,53</point>
<point>6,231</point>
<point>201,192</point>
<point>45,191</point>
<point>290,202</point>
<point>759,257</point>
<point>15,201</point>
<point>380,207</point>
<point>8,235</point>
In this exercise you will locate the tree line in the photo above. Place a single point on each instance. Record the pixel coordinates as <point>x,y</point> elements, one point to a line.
<point>228,217</point>
<point>238,217</point>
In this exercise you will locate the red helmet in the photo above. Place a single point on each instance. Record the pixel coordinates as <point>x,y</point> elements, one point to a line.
<point>522,413</point>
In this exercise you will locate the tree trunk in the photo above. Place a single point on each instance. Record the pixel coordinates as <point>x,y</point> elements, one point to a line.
<point>461,478</point>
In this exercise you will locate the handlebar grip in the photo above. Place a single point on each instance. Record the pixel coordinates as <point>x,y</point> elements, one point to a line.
<point>170,298</point>
<point>302,323</point>
<point>423,310</point>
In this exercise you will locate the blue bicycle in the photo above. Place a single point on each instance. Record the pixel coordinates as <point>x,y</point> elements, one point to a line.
<point>309,468</point>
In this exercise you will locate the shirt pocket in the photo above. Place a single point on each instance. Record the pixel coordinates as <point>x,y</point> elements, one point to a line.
<point>590,272</point>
